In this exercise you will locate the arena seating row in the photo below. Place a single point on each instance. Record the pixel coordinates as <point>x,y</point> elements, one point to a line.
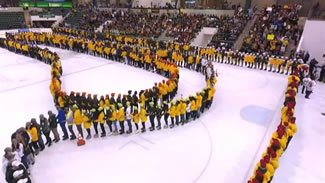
<point>11,20</point>
<point>229,29</point>
<point>75,18</point>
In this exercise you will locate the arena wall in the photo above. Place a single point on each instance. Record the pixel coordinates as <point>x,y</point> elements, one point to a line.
<point>313,40</point>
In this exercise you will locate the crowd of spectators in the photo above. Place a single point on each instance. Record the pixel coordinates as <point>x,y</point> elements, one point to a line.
<point>273,29</point>
<point>229,29</point>
<point>184,27</point>
<point>93,18</point>
<point>135,23</point>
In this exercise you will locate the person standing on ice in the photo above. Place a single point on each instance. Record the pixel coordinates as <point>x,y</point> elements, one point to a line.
<point>165,113</point>
<point>121,117</point>
<point>151,112</point>
<point>95,118</point>
<point>69,118</point>
<point>143,117</point>
<point>77,119</point>
<point>310,84</point>
<point>172,114</point>
<point>39,133</point>
<point>46,129</point>
<point>61,121</point>
<point>136,118</point>
<point>113,119</point>
<point>128,115</point>
<point>101,121</point>
<point>33,133</point>
<point>53,125</point>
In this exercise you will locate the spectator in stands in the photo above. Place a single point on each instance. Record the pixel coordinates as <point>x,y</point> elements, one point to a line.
<point>274,29</point>
<point>229,29</point>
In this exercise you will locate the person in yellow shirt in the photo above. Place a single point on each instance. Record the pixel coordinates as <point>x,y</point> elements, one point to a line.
<point>183,107</point>
<point>199,100</point>
<point>77,119</point>
<point>211,91</point>
<point>136,118</point>
<point>33,133</point>
<point>113,118</point>
<point>121,117</point>
<point>143,117</point>
<point>272,61</point>
<point>189,62</point>
<point>87,123</point>
<point>172,114</point>
<point>193,107</point>
<point>101,120</point>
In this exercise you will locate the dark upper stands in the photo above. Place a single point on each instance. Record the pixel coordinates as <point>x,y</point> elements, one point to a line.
<point>12,20</point>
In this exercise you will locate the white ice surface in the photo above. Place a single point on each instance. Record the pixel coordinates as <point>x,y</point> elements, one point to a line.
<point>219,147</point>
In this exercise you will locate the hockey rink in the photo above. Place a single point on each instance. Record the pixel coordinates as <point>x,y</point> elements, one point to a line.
<point>221,146</point>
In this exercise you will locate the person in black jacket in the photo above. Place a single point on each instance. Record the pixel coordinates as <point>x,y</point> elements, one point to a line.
<point>165,113</point>
<point>135,99</point>
<point>151,112</point>
<point>46,129</point>
<point>108,115</point>
<point>322,74</point>
<point>89,103</point>
<point>112,100</point>
<point>159,113</point>
<point>53,125</point>
<point>18,172</point>
<point>95,115</point>
<point>129,99</point>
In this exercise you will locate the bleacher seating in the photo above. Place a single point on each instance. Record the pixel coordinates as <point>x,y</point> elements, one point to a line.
<point>229,29</point>
<point>12,20</point>
<point>59,11</point>
<point>75,18</point>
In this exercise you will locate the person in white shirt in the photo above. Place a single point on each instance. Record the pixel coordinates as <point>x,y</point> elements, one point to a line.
<point>309,83</point>
<point>8,157</point>
<point>128,113</point>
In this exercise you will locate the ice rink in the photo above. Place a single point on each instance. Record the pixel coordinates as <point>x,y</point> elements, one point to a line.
<point>222,146</point>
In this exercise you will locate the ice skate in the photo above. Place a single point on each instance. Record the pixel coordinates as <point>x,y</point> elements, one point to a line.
<point>88,137</point>
<point>166,126</point>
<point>158,127</point>
<point>96,136</point>
<point>128,132</point>
<point>171,126</point>
<point>103,135</point>
<point>151,128</point>
<point>143,130</point>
